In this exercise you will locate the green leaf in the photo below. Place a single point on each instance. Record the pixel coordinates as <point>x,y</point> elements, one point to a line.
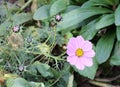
<point>76,16</point>
<point>87,4</point>
<point>88,31</point>
<point>89,72</point>
<point>117,16</point>
<point>70,82</point>
<point>4,27</point>
<point>65,78</point>
<point>71,7</point>
<point>43,69</point>
<point>18,82</point>
<point>57,7</point>
<point>105,21</point>
<point>118,33</point>
<point>21,18</point>
<point>32,69</point>
<point>115,59</point>
<point>104,47</point>
<point>105,2</point>
<point>36,84</point>
<point>3,10</point>
<point>42,13</point>
<point>110,2</point>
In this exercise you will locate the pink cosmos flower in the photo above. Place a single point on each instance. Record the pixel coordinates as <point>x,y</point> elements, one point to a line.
<point>80,52</point>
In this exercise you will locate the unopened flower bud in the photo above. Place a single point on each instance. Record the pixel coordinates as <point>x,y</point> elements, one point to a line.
<point>16,29</point>
<point>58,18</point>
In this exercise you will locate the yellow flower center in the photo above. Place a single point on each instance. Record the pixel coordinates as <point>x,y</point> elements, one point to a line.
<point>79,52</point>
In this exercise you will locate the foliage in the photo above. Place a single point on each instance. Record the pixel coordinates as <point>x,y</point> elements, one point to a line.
<point>35,56</point>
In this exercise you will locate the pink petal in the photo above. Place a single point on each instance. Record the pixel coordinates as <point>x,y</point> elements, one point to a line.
<point>90,53</point>
<point>72,59</point>
<point>80,41</point>
<point>72,44</point>
<point>87,61</point>
<point>79,64</point>
<point>87,46</point>
<point>71,52</point>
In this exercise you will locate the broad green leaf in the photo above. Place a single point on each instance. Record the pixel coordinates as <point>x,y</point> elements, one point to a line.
<point>42,13</point>
<point>3,10</point>
<point>70,82</point>
<point>18,82</point>
<point>111,2</point>
<point>88,31</point>
<point>57,7</point>
<point>36,84</point>
<point>117,16</point>
<point>67,79</point>
<point>21,18</point>
<point>115,59</point>
<point>32,69</point>
<point>89,72</point>
<point>105,21</point>
<point>91,3</point>
<point>76,16</point>
<point>4,27</point>
<point>71,7</point>
<point>87,4</point>
<point>118,33</point>
<point>104,47</point>
<point>43,69</point>
<point>105,2</point>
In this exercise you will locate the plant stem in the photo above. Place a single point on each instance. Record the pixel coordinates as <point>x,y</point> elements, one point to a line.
<point>107,79</point>
<point>58,78</point>
<point>54,39</point>
<point>24,6</point>
<point>47,55</point>
<point>56,81</point>
<point>101,84</point>
<point>47,38</point>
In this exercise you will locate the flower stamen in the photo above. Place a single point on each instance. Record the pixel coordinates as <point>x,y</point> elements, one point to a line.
<point>79,52</point>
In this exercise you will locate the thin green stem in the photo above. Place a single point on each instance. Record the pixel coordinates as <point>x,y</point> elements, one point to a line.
<point>35,58</point>
<point>47,55</point>
<point>62,54</point>
<point>56,81</point>
<point>17,59</point>
<point>101,84</point>
<point>54,39</point>
<point>58,78</point>
<point>48,38</point>
<point>24,6</point>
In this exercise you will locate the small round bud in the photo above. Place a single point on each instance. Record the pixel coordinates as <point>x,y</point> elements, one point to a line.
<point>52,23</point>
<point>64,47</point>
<point>29,39</point>
<point>58,18</point>
<point>16,29</point>
<point>21,68</point>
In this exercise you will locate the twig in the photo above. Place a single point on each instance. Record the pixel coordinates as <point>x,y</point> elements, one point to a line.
<point>47,55</point>
<point>24,6</point>
<point>55,81</point>
<point>101,84</point>
<point>107,79</point>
